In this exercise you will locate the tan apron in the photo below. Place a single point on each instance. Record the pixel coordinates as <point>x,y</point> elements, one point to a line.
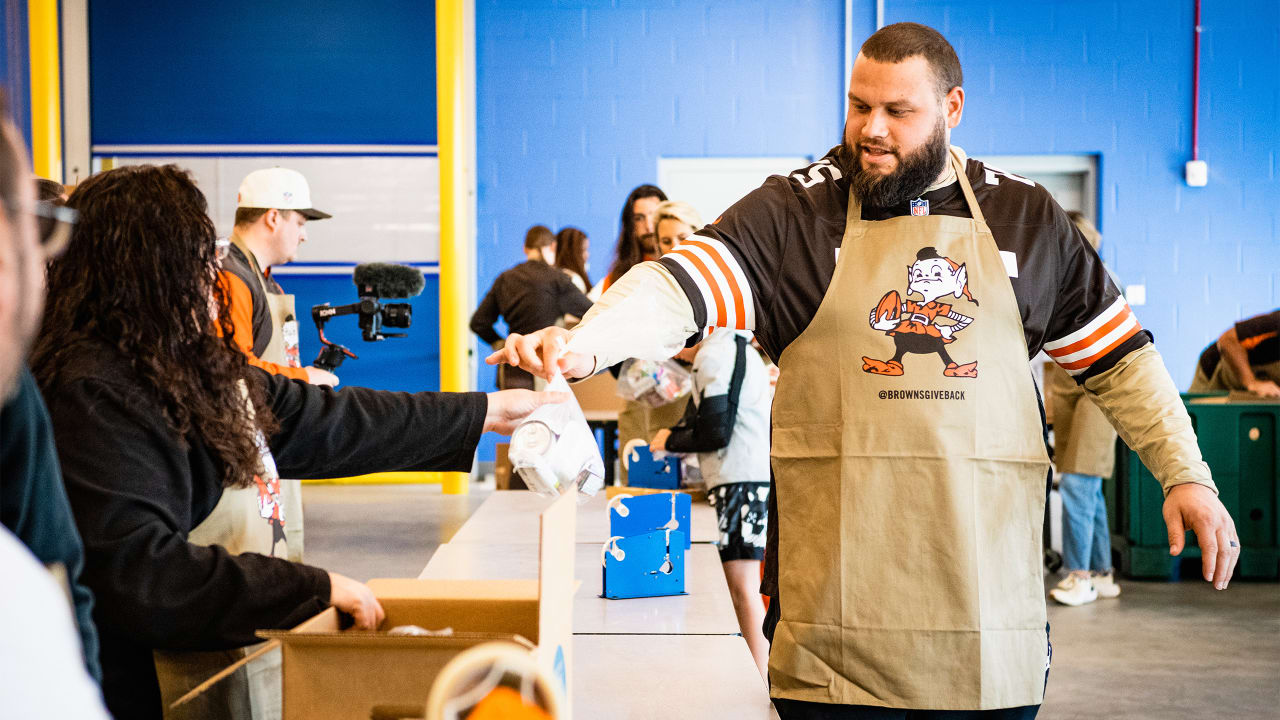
<point>911,498</point>
<point>1083,441</point>
<point>1225,378</point>
<point>245,520</point>
<point>638,420</point>
<point>282,350</point>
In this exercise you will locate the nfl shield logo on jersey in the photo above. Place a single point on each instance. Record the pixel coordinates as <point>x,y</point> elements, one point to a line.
<point>919,206</point>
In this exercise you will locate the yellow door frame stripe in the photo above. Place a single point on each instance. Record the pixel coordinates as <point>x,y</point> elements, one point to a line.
<point>46,89</point>
<point>455,256</point>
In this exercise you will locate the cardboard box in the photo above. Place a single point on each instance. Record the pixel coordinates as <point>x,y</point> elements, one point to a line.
<point>331,673</point>
<point>598,396</point>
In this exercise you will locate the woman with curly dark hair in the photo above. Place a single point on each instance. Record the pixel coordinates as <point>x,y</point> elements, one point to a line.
<point>172,447</point>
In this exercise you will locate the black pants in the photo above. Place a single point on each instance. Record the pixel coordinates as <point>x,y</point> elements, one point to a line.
<point>803,710</point>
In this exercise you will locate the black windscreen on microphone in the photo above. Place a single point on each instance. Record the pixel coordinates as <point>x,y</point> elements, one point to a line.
<point>389,280</point>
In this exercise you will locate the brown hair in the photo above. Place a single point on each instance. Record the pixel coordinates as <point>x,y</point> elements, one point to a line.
<point>1086,228</point>
<point>569,242</point>
<point>139,276</point>
<point>899,41</point>
<point>249,216</point>
<point>631,249</point>
<point>538,237</point>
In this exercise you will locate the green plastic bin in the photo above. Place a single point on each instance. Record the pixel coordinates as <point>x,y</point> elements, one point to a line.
<point>1241,442</point>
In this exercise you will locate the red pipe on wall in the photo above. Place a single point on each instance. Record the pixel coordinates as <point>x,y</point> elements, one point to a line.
<point>1195,92</point>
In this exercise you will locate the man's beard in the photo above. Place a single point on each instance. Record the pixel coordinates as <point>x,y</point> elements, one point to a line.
<point>915,172</point>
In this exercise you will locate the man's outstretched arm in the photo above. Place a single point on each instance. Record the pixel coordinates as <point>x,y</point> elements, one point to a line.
<point>1141,402</point>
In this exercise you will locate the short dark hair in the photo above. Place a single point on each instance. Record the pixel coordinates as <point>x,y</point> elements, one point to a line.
<point>538,237</point>
<point>49,191</point>
<point>249,216</point>
<point>899,41</point>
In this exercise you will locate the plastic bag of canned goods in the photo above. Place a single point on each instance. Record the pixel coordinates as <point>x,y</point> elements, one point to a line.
<point>554,450</point>
<point>653,383</point>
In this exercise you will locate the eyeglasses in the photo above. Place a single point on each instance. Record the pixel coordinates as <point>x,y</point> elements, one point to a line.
<point>54,223</point>
<point>222,248</point>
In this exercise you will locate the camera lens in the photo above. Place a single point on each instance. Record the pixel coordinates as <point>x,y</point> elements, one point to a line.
<point>397,315</point>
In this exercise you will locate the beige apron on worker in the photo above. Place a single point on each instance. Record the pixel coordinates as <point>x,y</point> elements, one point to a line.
<point>910,506</point>
<point>282,350</point>
<point>641,421</point>
<point>245,520</point>
<point>1225,378</point>
<point>1084,442</point>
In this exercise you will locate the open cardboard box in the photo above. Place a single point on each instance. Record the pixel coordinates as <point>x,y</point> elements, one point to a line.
<point>332,673</point>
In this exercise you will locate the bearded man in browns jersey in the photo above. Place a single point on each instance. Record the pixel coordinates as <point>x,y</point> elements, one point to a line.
<point>904,553</point>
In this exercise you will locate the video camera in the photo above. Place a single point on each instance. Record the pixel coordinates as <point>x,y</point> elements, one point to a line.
<point>374,281</point>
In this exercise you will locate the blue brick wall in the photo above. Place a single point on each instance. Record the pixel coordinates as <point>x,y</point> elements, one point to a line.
<point>1115,78</point>
<point>576,100</point>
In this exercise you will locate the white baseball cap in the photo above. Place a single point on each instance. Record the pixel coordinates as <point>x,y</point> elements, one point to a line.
<point>279,188</point>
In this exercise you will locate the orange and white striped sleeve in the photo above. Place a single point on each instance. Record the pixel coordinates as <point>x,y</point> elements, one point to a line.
<point>1093,346</point>
<point>721,285</point>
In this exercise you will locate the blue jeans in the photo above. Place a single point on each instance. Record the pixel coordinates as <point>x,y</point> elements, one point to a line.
<point>1086,541</point>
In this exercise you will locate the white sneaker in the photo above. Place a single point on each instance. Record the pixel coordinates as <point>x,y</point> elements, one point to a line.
<point>1105,585</point>
<point>1074,590</point>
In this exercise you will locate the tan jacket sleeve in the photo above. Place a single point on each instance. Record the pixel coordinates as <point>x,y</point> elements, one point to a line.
<point>643,315</point>
<point>1141,402</point>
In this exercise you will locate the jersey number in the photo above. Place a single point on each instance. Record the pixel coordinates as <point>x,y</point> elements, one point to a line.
<point>814,176</point>
<point>994,174</point>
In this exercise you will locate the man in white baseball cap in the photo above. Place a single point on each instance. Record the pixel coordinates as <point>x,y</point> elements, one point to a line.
<point>272,210</point>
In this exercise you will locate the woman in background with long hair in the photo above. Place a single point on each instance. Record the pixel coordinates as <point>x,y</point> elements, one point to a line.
<point>573,249</point>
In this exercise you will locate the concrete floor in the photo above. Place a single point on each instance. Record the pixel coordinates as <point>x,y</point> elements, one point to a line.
<point>1162,650</point>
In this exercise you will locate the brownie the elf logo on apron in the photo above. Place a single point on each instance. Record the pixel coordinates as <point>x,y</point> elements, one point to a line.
<point>270,504</point>
<point>914,325</point>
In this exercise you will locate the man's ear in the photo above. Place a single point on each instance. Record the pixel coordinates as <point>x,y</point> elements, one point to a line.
<point>272,219</point>
<point>953,106</point>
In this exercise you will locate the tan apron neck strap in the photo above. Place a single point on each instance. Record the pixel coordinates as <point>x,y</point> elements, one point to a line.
<point>965,187</point>
<point>253,262</point>
<point>854,214</point>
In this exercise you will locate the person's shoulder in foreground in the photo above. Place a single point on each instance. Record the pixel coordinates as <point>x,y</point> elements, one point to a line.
<point>40,663</point>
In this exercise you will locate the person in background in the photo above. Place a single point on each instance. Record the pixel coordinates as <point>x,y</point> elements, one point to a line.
<point>727,425</point>
<point>273,207</point>
<point>674,222</point>
<point>172,445</point>
<point>1245,357</point>
<point>573,253</point>
<point>639,420</point>
<point>533,295</point>
<point>635,223</point>
<point>45,670</point>
<point>49,191</point>
<point>1084,453</point>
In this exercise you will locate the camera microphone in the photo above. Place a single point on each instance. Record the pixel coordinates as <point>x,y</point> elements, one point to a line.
<point>388,280</point>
